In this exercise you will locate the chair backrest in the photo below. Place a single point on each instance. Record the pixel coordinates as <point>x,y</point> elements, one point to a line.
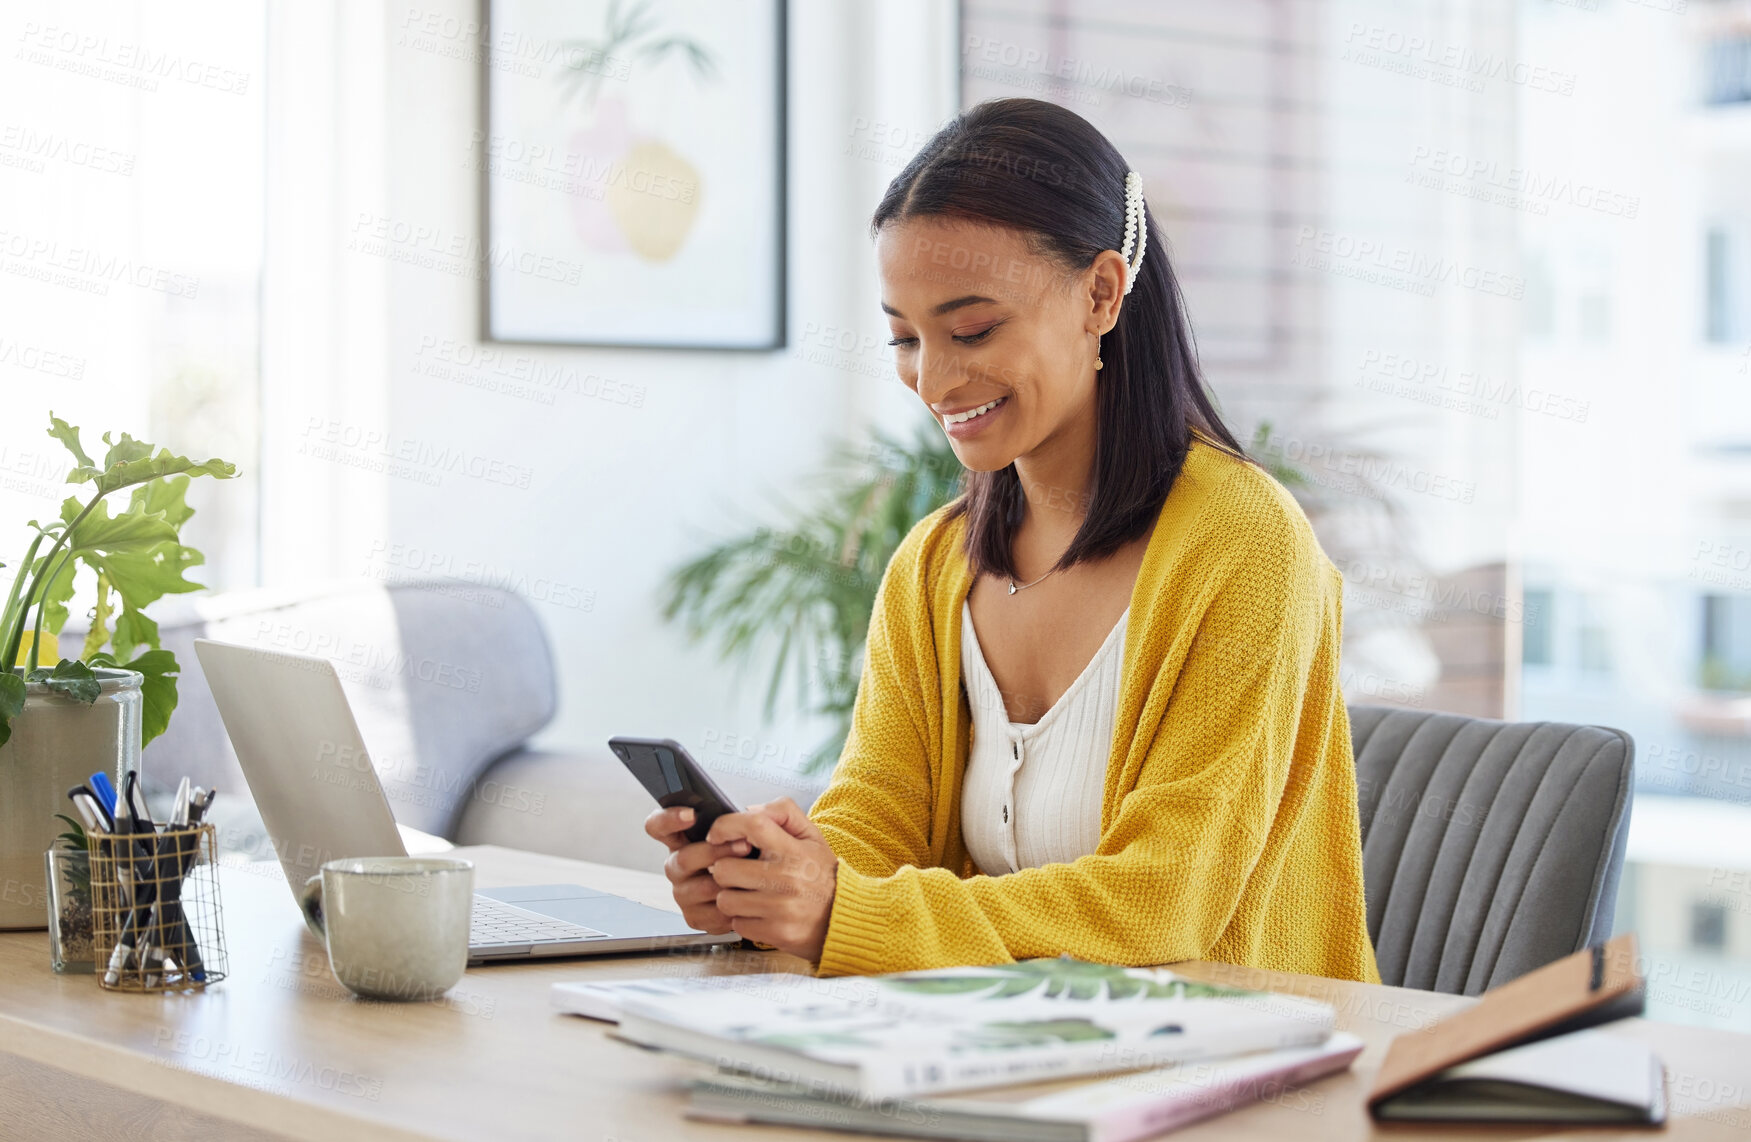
<point>1488,848</point>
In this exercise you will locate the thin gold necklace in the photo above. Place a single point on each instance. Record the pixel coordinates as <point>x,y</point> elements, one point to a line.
<point>1013,587</point>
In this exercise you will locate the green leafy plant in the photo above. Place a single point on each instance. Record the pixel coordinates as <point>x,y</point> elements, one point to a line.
<point>137,558</point>
<point>803,590</point>
<point>78,875</point>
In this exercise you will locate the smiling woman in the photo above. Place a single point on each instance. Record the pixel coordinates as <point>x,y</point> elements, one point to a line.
<point>1099,712</point>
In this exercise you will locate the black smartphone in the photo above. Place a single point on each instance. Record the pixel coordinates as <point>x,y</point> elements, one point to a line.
<point>669,773</point>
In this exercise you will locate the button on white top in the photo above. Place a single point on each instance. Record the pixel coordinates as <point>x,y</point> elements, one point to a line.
<point>1032,793</point>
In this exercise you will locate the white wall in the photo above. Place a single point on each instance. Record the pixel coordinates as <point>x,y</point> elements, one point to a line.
<point>616,495</point>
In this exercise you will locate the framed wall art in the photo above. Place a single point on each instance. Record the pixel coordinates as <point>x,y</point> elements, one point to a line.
<point>632,157</point>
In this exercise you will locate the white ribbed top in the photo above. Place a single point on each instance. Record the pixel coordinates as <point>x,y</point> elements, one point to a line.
<point>1032,793</point>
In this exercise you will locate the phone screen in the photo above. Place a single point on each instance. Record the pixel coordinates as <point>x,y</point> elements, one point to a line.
<point>674,779</point>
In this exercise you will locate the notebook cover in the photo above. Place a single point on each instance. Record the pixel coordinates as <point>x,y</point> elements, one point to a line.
<point>1595,985</point>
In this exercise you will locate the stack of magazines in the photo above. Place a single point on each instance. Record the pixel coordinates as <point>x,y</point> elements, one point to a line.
<point>1008,1051</point>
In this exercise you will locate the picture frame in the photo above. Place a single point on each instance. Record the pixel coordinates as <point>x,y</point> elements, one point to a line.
<point>632,164</point>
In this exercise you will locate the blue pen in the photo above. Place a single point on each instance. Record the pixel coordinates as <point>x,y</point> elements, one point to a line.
<point>100,785</point>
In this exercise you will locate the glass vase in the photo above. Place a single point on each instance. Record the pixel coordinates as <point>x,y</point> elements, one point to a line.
<point>71,935</point>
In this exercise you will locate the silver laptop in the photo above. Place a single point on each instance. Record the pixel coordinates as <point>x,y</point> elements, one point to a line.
<point>320,799</point>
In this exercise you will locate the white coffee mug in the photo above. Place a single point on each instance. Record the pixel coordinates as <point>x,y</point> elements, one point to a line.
<point>395,927</point>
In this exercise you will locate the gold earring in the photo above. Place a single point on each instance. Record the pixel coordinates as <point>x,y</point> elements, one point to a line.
<point>1098,364</point>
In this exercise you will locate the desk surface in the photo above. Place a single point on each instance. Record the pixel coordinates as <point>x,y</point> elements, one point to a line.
<point>282,1047</point>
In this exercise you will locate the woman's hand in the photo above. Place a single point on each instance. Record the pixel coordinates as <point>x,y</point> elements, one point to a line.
<point>695,891</point>
<point>785,898</point>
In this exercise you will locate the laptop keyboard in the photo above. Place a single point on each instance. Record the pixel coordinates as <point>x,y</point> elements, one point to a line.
<point>495,923</point>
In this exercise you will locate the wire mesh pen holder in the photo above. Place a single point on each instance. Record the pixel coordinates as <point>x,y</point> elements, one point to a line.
<point>156,919</point>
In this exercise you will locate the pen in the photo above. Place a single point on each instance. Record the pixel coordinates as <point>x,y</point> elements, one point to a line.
<point>106,792</point>
<point>86,805</point>
<point>137,853</point>
<point>170,929</point>
<point>167,929</point>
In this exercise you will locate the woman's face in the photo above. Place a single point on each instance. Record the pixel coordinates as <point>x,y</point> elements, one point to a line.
<point>998,341</point>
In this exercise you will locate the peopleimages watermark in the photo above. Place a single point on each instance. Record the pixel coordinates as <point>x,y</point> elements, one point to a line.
<point>258,1066</point>
<point>85,269</point>
<point>1424,57</point>
<point>570,172</point>
<point>38,474</point>
<point>1370,684</point>
<point>407,780</point>
<point>1680,768</point>
<point>1005,61</point>
<point>1464,390</point>
<point>1721,565</point>
<point>406,457</point>
<point>846,349</point>
<point>509,50</point>
<point>25,148</point>
<point>309,973</point>
<point>121,61</point>
<point>421,562</point>
<point>448,252</point>
<point>1394,266</point>
<point>37,359</point>
<point>365,661</point>
<point>1438,598</point>
<point>524,376</point>
<point>1368,475</point>
<point>1521,187</point>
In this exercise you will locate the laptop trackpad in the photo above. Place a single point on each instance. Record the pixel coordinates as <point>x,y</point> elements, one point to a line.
<point>602,911</point>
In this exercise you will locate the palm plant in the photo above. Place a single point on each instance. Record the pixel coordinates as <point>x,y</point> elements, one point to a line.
<point>799,594</point>
<point>802,591</point>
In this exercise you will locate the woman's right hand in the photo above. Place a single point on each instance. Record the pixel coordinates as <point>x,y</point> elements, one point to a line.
<point>688,865</point>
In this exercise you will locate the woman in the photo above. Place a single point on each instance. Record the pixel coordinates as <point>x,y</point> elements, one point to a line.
<point>1099,712</point>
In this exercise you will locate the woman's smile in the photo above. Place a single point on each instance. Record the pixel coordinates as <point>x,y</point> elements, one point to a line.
<point>967,422</point>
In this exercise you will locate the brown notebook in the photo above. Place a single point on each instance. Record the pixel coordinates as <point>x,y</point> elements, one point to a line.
<point>1593,986</point>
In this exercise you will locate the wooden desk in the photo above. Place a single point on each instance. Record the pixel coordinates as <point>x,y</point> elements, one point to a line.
<point>279,1050</point>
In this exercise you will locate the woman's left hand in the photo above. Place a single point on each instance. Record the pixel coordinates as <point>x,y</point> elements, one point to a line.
<point>784,898</point>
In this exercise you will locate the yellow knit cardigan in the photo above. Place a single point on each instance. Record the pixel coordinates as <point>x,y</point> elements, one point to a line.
<point>1229,826</point>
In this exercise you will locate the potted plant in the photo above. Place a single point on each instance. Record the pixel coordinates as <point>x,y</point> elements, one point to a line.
<point>94,711</point>
<point>72,921</point>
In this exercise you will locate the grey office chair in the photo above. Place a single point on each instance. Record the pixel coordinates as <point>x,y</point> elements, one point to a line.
<point>1488,848</point>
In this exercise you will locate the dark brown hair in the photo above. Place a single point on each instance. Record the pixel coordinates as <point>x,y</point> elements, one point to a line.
<point>1033,166</point>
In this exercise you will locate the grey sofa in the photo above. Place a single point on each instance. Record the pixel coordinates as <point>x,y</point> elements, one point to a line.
<point>449,683</point>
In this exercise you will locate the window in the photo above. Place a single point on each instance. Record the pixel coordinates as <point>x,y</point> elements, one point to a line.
<point>1708,926</point>
<point>1595,317</point>
<point>1539,320</point>
<point>1593,638</point>
<point>1726,282</point>
<point>1729,70</point>
<point>1726,642</point>
<point>1535,646</point>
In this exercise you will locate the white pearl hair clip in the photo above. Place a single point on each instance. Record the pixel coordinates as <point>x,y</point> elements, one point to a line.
<point>1134,231</point>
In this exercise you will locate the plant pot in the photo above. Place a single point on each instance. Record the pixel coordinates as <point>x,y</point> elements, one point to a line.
<point>57,742</point>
